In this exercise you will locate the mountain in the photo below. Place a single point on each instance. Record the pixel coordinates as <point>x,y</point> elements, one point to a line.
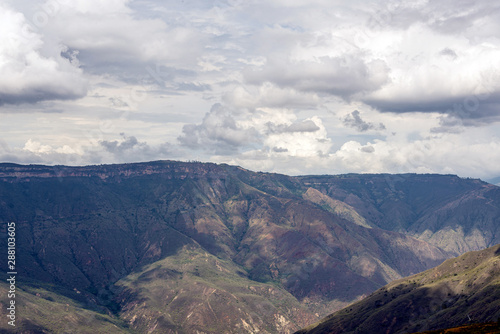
<point>175,247</point>
<point>458,215</point>
<point>495,181</point>
<point>460,291</point>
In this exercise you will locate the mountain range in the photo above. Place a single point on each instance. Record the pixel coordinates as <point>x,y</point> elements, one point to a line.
<point>177,247</point>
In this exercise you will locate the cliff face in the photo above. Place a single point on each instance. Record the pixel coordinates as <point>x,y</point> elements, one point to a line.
<point>290,249</point>
<point>168,169</point>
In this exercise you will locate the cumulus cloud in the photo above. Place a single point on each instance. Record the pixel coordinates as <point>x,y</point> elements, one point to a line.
<point>218,132</point>
<point>35,151</point>
<point>29,73</point>
<point>437,79</point>
<point>38,148</point>
<point>355,121</point>
<point>443,154</point>
<point>129,148</point>
<point>125,149</point>
<point>128,143</point>
<point>303,138</point>
<point>224,132</point>
<point>112,38</point>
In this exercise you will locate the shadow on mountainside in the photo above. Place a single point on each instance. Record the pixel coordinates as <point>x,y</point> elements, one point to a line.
<point>460,291</point>
<point>422,309</point>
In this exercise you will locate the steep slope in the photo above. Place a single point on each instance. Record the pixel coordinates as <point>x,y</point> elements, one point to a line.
<point>457,215</point>
<point>483,328</point>
<point>459,291</point>
<point>41,310</point>
<point>86,228</point>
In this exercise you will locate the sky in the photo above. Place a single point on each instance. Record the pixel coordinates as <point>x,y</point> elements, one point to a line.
<point>294,87</point>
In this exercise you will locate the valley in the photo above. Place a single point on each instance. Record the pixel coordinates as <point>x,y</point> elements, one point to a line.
<point>177,247</point>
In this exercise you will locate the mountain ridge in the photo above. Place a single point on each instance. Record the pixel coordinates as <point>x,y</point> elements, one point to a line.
<point>87,228</point>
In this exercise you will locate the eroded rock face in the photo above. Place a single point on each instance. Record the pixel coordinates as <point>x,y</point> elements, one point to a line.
<point>317,241</point>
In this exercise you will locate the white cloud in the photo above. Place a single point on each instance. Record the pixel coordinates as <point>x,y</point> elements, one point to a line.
<point>449,154</point>
<point>425,79</point>
<point>113,39</point>
<point>37,148</point>
<point>300,139</point>
<point>286,78</point>
<point>124,149</point>
<point>228,132</point>
<point>28,75</point>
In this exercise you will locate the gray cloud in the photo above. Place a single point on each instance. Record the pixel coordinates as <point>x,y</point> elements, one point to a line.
<point>420,104</point>
<point>449,53</point>
<point>457,17</point>
<point>147,44</point>
<point>118,102</point>
<point>368,149</point>
<point>118,147</point>
<point>444,16</point>
<point>129,149</point>
<point>280,150</point>
<point>342,76</point>
<point>303,126</point>
<point>35,93</point>
<point>469,110</point>
<point>472,112</point>
<point>218,133</point>
<point>355,121</point>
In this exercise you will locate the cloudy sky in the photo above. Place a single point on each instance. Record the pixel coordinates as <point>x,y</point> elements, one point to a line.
<point>296,87</point>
